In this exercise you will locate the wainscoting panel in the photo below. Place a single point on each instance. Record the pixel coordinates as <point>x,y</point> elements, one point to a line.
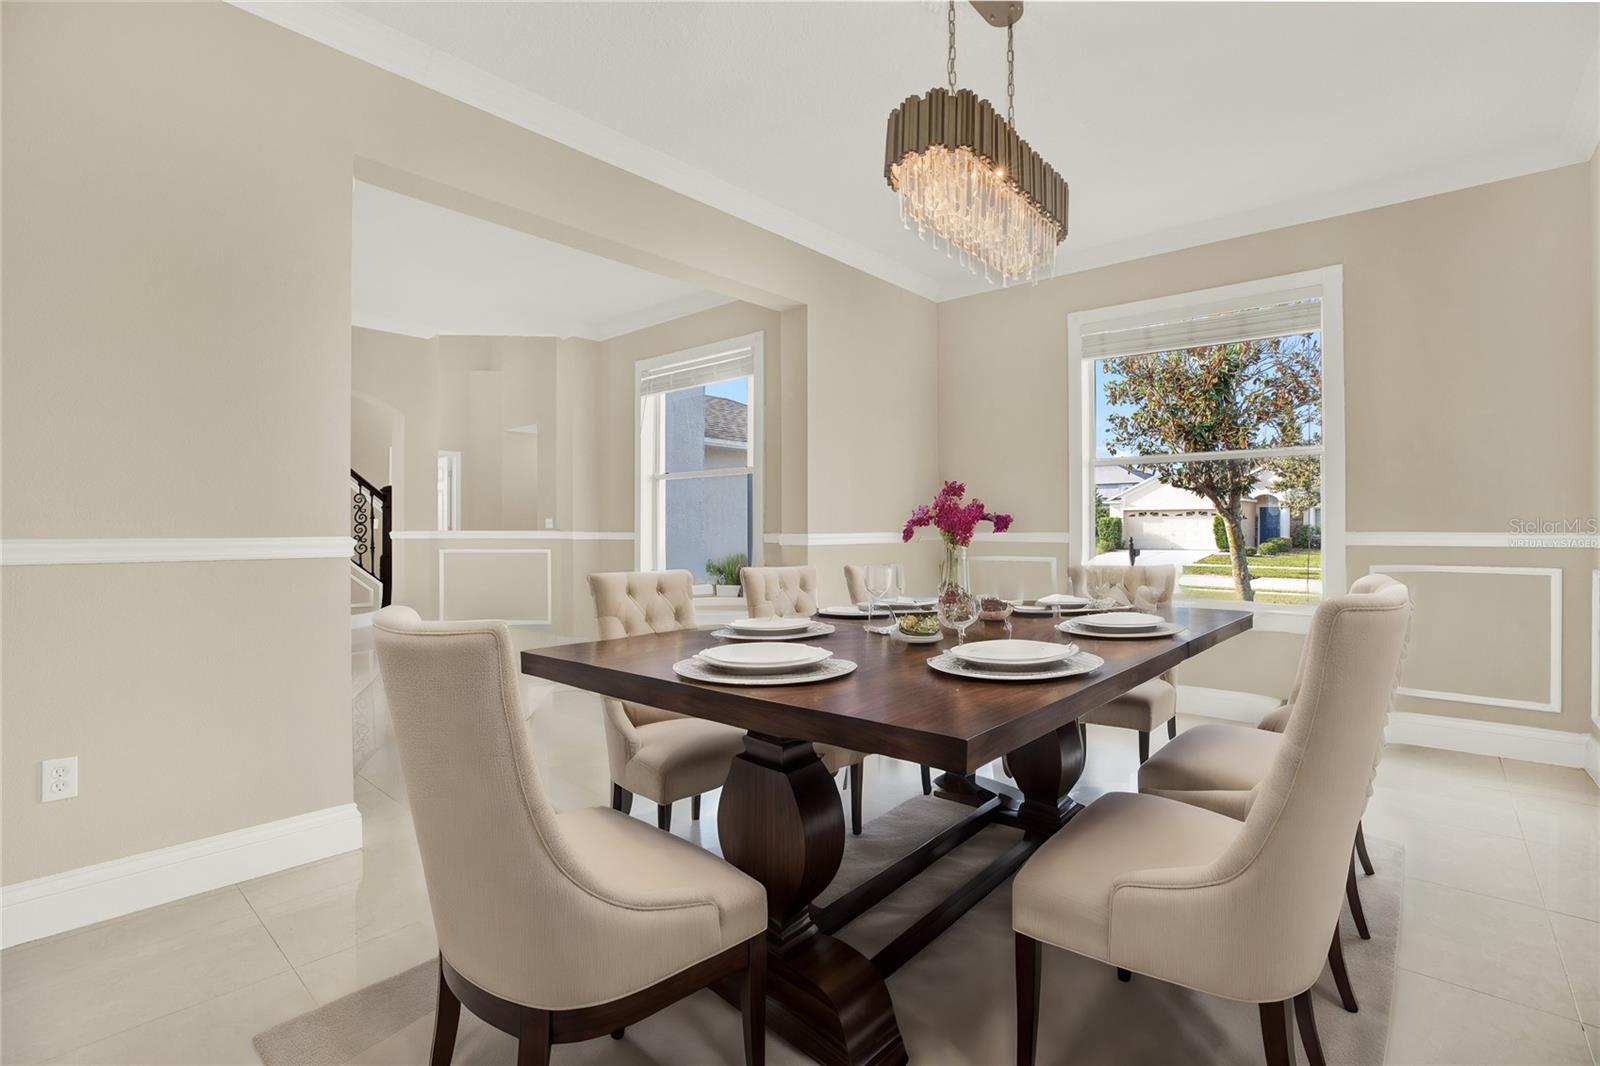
<point>515,584</point>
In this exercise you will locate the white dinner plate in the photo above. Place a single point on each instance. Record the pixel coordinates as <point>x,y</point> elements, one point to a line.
<point>816,629</point>
<point>1062,600</point>
<point>767,658</point>
<point>1081,663</point>
<point>1122,622</point>
<point>1011,654</point>
<point>904,603</point>
<point>845,611</point>
<point>769,625</point>
<point>1075,628</point>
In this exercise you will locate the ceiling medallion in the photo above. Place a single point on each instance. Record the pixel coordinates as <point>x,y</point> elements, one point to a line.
<point>962,172</point>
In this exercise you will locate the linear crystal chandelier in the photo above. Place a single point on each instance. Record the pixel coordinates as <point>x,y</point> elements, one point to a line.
<point>962,172</point>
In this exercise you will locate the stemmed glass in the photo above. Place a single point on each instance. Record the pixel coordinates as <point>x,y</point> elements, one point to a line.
<point>877,580</point>
<point>958,609</point>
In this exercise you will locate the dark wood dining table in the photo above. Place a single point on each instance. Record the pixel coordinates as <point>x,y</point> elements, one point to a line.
<point>780,818</point>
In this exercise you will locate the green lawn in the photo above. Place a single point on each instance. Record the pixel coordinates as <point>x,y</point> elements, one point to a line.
<point>1189,593</point>
<point>1289,564</point>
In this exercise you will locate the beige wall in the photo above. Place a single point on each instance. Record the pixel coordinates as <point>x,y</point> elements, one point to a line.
<point>178,186</point>
<point>1468,379</point>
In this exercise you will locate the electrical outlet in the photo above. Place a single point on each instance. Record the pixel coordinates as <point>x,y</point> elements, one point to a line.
<point>60,779</point>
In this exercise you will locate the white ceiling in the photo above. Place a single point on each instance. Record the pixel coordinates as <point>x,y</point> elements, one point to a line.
<point>1175,124</point>
<point>425,270</point>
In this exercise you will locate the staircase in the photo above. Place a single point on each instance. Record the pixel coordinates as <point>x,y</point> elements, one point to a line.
<point>371,527</point>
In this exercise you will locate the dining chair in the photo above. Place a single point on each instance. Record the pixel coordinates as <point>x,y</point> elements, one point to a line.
<point>553,926</point>
<point>1240,909</point>
<point>855,583</point>
<point>1219,767</point>
<point>791,592</point>
<point>1145,707</point>
<point>657,754</point>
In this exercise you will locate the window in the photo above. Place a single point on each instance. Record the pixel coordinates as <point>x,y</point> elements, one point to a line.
<point>1208,435</point>
<point>699,459</point>
<point>449,490</point>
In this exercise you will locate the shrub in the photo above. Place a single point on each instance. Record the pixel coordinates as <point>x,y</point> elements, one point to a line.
<point>1250,551</point>
<point>1307,537</point>
<point>1108,534</point>
<point>1275,546</point>
<point>725,571</point>
<point>1219,532</point>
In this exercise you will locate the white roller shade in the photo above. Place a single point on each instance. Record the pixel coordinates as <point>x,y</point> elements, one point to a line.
<point>703,370</point>
<point>1197,330</point>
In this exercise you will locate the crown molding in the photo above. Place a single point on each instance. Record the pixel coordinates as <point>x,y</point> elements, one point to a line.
<point>371,42</point>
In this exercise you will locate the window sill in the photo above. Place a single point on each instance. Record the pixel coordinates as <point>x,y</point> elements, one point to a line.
<point>1270,617</point>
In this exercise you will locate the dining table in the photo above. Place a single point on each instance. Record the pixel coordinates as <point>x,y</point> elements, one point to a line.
<point>780,818</point>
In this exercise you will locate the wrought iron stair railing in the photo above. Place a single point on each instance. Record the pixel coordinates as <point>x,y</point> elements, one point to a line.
<point>372,528</point>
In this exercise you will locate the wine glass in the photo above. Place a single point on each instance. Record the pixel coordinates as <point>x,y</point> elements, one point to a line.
<point>958,609</point>
<point>876,580</point>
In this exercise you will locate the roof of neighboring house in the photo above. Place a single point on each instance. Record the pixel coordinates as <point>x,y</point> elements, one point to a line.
<point>727,419</point>
<point>1112,481</point>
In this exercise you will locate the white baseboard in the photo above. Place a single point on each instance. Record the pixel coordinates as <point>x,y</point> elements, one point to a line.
<point>1591,759</point>
<point>1553,746</point>
<point>75,898</point>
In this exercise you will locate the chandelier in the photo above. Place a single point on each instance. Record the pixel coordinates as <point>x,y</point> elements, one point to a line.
<point>962,172</point>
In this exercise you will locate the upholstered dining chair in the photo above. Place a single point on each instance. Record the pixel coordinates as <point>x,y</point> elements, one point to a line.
<point>657,754</point>
<point>1237,909</point>
<point>1219,767</point>
<point>1145,707</point>
<point>791,592</point>
<point>855,583</point>
<point>553,927</point>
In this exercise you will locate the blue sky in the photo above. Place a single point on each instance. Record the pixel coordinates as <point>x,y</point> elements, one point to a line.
<point>735,389</point>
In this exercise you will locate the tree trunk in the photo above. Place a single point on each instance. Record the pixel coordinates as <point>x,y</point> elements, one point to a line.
<point>1236,557</point>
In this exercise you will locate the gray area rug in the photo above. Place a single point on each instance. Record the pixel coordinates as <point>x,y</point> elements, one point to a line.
<point>955,1001</point>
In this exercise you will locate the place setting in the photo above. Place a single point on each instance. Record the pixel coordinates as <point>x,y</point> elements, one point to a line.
<point>1015,660</point>
<point>775,628</point>
<point>763,663</point>
<point>1124,625</point>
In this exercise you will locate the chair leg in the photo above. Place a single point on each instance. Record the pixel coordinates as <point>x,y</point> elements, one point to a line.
<point>1354,899</point>
<point>1028,956</point>
<point>927,781</point>
<point>1307,1019</point>
<point>694,808</point>
<point>753,1002</point>
<point>857,772</point>
<point>1172,728</point>
<point>1277,1033</point>
<point>533,1043</point>
<point>1361,851</point>
<point>1144,746</point>
<point>1341,976</point>
<point>445,1020</point>
<point>621,799</point>
<point>664,817</point>
<point>1124,975</point>
<point>618,1034</point>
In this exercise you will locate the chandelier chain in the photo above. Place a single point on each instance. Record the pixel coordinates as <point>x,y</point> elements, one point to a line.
<point>950,65</point>
<point>1011,79</point>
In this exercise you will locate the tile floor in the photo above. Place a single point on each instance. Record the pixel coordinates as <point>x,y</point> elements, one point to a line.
<point>1499,952</point>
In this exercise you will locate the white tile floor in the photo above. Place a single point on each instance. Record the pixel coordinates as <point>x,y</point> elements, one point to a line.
<point>1499,951</point>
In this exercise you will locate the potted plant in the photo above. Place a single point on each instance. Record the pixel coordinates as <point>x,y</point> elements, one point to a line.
<point>724,572</point>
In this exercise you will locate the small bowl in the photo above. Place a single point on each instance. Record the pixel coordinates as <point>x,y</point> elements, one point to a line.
<point>993,609</point>
<point>921,624</point>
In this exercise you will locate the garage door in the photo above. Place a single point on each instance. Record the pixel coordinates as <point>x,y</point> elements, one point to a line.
<point>1166,530</point>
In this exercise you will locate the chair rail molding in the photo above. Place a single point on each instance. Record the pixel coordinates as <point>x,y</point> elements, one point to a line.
<point>75,898</point>
<point>510,534</point>
<point>1551,574</point>
<point>1443,539</point>
<point>83,551</point>
<point>824,540</point>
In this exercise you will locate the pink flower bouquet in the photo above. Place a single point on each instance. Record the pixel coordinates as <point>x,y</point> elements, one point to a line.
<point>955,521</point>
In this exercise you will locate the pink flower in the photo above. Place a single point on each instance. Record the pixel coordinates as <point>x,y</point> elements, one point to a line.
<point>955,521</point>
<point>1002,522</point>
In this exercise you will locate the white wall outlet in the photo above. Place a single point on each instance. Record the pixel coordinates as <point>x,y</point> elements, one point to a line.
<point>60,779</point>
<point>549,523</point>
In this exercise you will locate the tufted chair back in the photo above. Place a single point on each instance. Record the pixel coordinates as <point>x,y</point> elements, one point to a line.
<point>780,591</point>
<point>645,601</point>
<point>855,581</point>
<point>1160,579</point>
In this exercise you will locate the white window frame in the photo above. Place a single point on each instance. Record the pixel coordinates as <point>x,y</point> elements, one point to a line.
<point>1082,460</point>
<point>650,548</point>
<point>454,458</point>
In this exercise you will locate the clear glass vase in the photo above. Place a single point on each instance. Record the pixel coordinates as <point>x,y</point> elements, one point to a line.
<point>953,573</point>
<point>957,607</point>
